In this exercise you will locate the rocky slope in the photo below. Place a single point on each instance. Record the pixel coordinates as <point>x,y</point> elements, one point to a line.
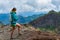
<point>51,20</point>
<point>28,33</point>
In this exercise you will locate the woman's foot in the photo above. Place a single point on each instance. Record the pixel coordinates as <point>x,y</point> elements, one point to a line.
<point>19,33</point>
<point>10,30</point>
<point>11,38</point>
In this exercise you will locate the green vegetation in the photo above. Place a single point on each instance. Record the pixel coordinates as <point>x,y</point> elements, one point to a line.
<point>52,30</point>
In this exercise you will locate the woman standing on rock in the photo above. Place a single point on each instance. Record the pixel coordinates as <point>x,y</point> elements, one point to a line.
<point>14,23</point>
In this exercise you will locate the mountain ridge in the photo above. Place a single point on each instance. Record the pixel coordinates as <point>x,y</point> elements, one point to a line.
<point>21,20</point>
<point>48,21</point>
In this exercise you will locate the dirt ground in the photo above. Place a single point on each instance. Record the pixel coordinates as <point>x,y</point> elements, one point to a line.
<point>29,33</point>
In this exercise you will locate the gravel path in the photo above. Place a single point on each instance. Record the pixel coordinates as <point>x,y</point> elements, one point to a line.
<point>5,34</point>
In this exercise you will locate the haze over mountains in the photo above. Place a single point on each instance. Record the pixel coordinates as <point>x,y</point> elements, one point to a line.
<point>24,18</point>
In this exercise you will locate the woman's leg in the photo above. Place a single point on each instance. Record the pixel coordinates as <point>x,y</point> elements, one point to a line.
<point>19,28</point>
<point>13,28</point>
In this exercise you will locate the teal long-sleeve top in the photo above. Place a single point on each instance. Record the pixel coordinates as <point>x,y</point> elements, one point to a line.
<point>14,17</point>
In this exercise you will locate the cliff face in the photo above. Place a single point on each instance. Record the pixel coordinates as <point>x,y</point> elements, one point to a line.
<point>48,20</point>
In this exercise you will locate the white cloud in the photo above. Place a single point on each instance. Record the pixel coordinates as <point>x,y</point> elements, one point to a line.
<point>43,2</point>
<point>42,5</point>
<point>27,5</point>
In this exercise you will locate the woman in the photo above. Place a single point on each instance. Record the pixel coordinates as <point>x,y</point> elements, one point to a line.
<point>14,23</point>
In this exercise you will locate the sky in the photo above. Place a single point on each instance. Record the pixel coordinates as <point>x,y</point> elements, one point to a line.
<point>29,5</point>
